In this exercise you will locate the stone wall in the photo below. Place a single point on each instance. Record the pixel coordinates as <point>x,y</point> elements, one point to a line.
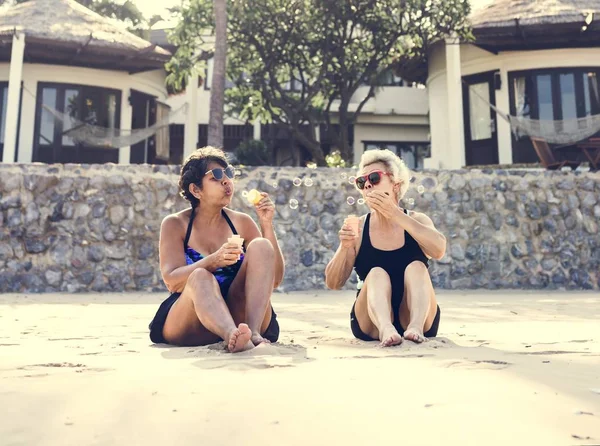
<point>84,228</point>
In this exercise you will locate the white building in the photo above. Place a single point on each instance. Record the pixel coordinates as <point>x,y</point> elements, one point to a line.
<point>59,54</point>
<point>538,59</point>
<point>396,118</point>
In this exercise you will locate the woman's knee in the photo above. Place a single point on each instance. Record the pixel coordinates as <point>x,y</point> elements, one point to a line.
<point>198,276</point>
<point>416,272</point>
<point>378,274</point>
<point>262,246</point>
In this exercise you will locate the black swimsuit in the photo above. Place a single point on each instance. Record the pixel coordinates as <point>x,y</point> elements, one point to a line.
<point>394,263</point>
<point>224,277</point>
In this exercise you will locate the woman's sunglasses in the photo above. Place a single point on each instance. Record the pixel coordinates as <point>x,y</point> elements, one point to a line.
<point>373,178</point>
<point>220,172</point>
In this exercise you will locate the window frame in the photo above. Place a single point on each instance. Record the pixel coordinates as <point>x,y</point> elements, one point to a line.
<point>57,145</point>
<point>557,109</point>
<point>398,144</point>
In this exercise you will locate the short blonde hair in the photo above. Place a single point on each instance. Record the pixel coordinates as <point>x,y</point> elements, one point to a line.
<point>394,164</point>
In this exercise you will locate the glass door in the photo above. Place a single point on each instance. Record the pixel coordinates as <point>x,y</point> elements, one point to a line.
<point>481,137</point>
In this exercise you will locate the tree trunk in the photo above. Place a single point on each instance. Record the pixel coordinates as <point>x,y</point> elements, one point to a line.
<point>345,149</point>
<point>217,88</point>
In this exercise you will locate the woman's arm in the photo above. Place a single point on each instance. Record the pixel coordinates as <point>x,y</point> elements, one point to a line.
<point>339,268</point>
<point>268,232</point>
<point>172,256</point>
<point>422,229</point>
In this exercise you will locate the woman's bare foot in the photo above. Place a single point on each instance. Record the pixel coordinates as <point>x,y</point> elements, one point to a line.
<point>258,339</point>
<point>239,339</point>
<point>389,336</point>
<point>414,335</point>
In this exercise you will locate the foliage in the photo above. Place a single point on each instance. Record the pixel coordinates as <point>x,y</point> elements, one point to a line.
<point>334,159</point>
<point>301,63</point>
<point>253,152</point>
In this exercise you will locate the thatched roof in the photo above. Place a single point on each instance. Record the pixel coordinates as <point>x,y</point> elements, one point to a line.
<point>504,25</point>
<point>502,13</point>
<point>65,32</point>
<point>536,24</point>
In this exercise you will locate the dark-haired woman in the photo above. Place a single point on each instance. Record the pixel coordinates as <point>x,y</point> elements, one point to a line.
<point>220,291</point>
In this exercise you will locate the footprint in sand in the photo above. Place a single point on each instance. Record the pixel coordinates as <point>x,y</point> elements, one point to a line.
<point>489,364</point>
<point>52,364</point>
<point>264,356</point>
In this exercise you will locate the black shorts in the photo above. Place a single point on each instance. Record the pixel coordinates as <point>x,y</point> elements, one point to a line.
<point>358,333</point>
<point>158,323</point>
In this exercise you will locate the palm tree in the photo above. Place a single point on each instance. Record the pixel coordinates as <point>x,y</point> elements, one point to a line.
<point>217,88</point>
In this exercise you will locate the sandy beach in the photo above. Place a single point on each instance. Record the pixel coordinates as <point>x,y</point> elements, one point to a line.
<point>507,367</point>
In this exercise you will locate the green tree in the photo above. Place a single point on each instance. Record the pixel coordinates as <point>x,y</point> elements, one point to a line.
<point>300,63</point>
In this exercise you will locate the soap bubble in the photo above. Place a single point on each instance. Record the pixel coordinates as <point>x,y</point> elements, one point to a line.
<point>308,182</point>
<point>421,189</point>
<point>237,172</point>
<point>294,203</point>
<point>350,201</point>
<point>411,201</point>
<point>351,180</point>
<point>297,182</point>
<point>343,175</point>
<point>361,201</point>
<point>245,194</point>
<point>274,184</point>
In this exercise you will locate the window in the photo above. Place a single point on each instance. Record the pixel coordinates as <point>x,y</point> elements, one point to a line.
<point>388,78</point>
<point>480,123</point>
<point>3,100</point>
<point>79,103</point>
<point>555,94</point>
<point>208,76</point>
<point>293,85</point>
<point>552,94</point>
<point>412,153</point>
<point>3,117</point>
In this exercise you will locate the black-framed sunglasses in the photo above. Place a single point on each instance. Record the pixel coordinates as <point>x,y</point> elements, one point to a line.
<point>373,178</point>
<point>220,172</point>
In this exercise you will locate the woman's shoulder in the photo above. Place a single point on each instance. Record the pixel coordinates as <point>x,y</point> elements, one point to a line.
<point>176,220</point>
<point>236,215</point>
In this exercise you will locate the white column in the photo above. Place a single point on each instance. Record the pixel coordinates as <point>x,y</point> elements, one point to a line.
<point>455,156</point>
<point>257,129</point>
<point>27,126</point>
<point>126,117</point>
<point>504,131</point>
<point>191,121</point>
<point>14,98</point>
<point>318,132</point>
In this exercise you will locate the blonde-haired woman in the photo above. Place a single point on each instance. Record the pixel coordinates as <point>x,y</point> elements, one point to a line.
<point>396,299</point>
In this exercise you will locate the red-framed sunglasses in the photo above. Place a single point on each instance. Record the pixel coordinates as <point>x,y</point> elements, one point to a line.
<point>373,178</point>
<point>218,173</point>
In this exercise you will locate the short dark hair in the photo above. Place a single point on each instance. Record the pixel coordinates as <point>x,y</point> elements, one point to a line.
<point>195,167</point>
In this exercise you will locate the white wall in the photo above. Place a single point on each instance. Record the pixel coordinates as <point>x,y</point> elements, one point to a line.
<point>151,83</point>
<point>394,100</point>
<point>475,60</point>
<point>202,110</point>
<point>391,101</point>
